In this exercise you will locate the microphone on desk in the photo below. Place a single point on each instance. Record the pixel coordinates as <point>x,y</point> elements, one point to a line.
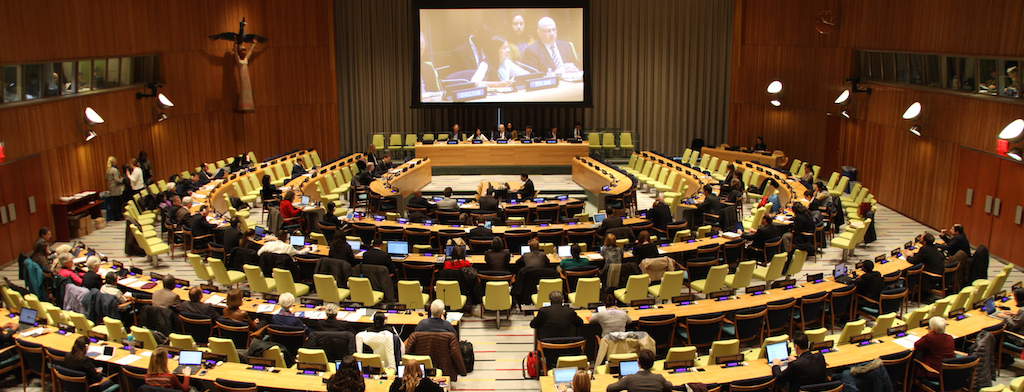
<point>526,67</point>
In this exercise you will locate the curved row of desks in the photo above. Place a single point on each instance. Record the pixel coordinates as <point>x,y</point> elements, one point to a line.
<point>284,379</point>
<point>212,194</point>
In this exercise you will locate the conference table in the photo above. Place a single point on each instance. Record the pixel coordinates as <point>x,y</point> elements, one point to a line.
<point>286,379</point>
<point>212,194</point>
<point>492,153</point>
<point>845,356</point>
<point>770,158</point>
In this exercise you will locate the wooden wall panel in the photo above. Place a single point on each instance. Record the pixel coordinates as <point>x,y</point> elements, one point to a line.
<point>19,184</point>
<point>1006,233</point>
<point>921,177</point>
<point>293,81</point>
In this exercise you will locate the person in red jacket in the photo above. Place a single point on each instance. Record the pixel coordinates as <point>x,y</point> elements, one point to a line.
<point>933,347</point>
<point>289,212</point>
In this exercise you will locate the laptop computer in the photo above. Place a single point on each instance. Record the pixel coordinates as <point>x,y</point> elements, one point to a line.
<point>355,245</point>
<point>524,249</point>
<point>778,351</point>
<point>563,376</point>
<point>398,249</point>
<point>27,319</point>
<point>448,250</point>
<point>598,218</point>
<point>259,231</point>
<point>564,251</point>
<point>401,370</point>
<point>297,241</point>
<point>305,201</point>
<point>840,274</point>
<point>628,367</point>
<point>189,359</point>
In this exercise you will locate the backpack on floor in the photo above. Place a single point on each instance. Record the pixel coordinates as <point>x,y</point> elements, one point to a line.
<point>468,357</point>
<point>531,365</point>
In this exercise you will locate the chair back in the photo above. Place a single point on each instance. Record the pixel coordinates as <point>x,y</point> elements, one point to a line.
<point>898,367</point>
<point>544,289</point>
<point>841,303</point>
<point>288,336</point>
<point>760,384</point>
<point>743,275</point>
<point>780,313</point>
<point>326,288</point>
<point>235,331</point>
<point>850,330</point>
<point>144,335</point>
<point>716,278</point>
<point>732,251</point>
<point>661,328</point>
<point>410,293</point>
<point>831,386</point>
<point>70,380</point>
<point>812,310</point>
<point>552,348</point>
<point>497,296</point>
<point>199,326</point>
<point>776,266</point>
<point>671,285</point>
<point>702,330</point>
<point>797,263</point>
<point>882,324</point>
<point>182,342</point>
<point>891,301</point>
<point>422,272</point>
<point>224,385</point>
<point>362,290</point>
<point>115,329</point>
<point>197,265</point>
<point>219,271</point>
<point>285,282</point>
<point>257,282</point>
<point>749,324</point>
<point>133,377</point>
<point>450,292</point>
<point>699,268</point>
<point>958,373</point>
<point>636,288</point>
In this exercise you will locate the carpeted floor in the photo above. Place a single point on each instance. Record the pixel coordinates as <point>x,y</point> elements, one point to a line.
<point>499,353</point>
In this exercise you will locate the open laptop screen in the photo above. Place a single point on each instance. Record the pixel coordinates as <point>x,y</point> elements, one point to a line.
<point>297,240</point>
<point>598,218</point>
<point>398,248</point>
<point>190,358</point>
<point>628,367</point>
<point>778,351</point>
<point>565,251</point>
<point>28,316</point>
<point>840,270</point>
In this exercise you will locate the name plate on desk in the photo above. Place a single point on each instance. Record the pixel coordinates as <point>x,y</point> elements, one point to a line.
<point>471,94</point>
<point>478,141</point>
<point>502,141</point>
<point>542,83</point>
<point>453,142</point>
<point>551,141</point>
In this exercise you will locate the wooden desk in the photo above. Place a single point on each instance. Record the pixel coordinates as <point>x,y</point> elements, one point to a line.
<point>494,154</point>
<point>733,156</point>
<point>307,185</point>
<point>599,180</point>
<point>285,379</point>
<point>401,183</point>
<point>790,189</point>
<point>66,211</point>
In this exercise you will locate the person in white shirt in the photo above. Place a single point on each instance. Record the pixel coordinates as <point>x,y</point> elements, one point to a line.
<point>135,177</point>
<point>279,246</point>
<point>497,69</point>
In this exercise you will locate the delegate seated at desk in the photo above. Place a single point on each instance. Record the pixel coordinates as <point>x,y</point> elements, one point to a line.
<point>526,191</point>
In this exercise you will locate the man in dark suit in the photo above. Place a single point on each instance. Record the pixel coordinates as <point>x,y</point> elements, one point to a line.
<point>806,368</point>
<point>763,233</point>
<point>871,282</point>
<point>488,203</point>
<point>958,241</point>
<point>418,201</point>
<point>553,135</point>
<point>195,304</point>
<point>501,133</point>
<point>528,133</point>
<point>297,169</point>
<point>526,191</point>
<point>467,56</point>
<point>711,204</point>
<point>375,256</point>
<point>385,165</point>
<point>481,233</point>
<point>643,380</point>
<point>929,255</point>
<point>201,227</point>
<point>455,135</point>
<point>557,320</point>
<point>614,220</point>
<point>550,53</point>
<point>659,214</point>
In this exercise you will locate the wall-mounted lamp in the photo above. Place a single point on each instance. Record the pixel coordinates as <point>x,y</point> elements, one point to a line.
<point>916,130</point>
<point>162,101</point>
<point>776,103</point>
<point>90,135</point>
<point>1016,153</point>
<point>1013,132</point>
<point>844,98</point>
<point>91,117</point>
<point>913,113</point>
<point>775,87</point>
<point>846,113</point>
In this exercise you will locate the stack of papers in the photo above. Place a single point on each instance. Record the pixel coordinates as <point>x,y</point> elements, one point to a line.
<point>265,308</point>
<point>215,299</point>
<point>138,284</point>
<point>907,341</point>
<point>127,360</point>
<point>353,317</point>
<point>126,281</point>
<point>454,316</point>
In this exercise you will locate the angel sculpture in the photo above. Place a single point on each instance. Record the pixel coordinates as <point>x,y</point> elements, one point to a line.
<point>242,56</point>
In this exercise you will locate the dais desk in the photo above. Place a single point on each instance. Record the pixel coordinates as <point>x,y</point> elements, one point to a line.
<point>492,153</point>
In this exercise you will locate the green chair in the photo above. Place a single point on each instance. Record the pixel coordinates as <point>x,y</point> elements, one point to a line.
<point>286,283</point>
<point>608,141</point>
<point>258,282</point>
<point>626,141</point>
<point>222,275</point>
<point>362,291</point>
<point>327,289</point>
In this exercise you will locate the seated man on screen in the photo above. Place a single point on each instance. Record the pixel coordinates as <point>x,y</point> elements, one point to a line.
<point>550,53</point>
<point>429,86</point>
<point>497,69</point>
<point>528,133</point>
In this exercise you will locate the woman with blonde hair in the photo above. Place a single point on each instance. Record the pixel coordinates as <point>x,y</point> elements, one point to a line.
<point>413,380</point>
<point>158,374</point>
<point>115,185</point>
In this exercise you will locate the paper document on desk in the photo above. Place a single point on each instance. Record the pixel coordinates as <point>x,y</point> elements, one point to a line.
<point>128,360</point>
<point>137,284</point>
<point>79,259</point>
<point>126,281</point>
<point>265,308</point>
<point>454,316</point>
<point>353,317</point>
<point>198,196</point>
<point>315,315</point>
<point>33,332</point>
<point>907,341</point>
<point>661,251</point>
<point>215,300</point>
<point>730,234</point>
